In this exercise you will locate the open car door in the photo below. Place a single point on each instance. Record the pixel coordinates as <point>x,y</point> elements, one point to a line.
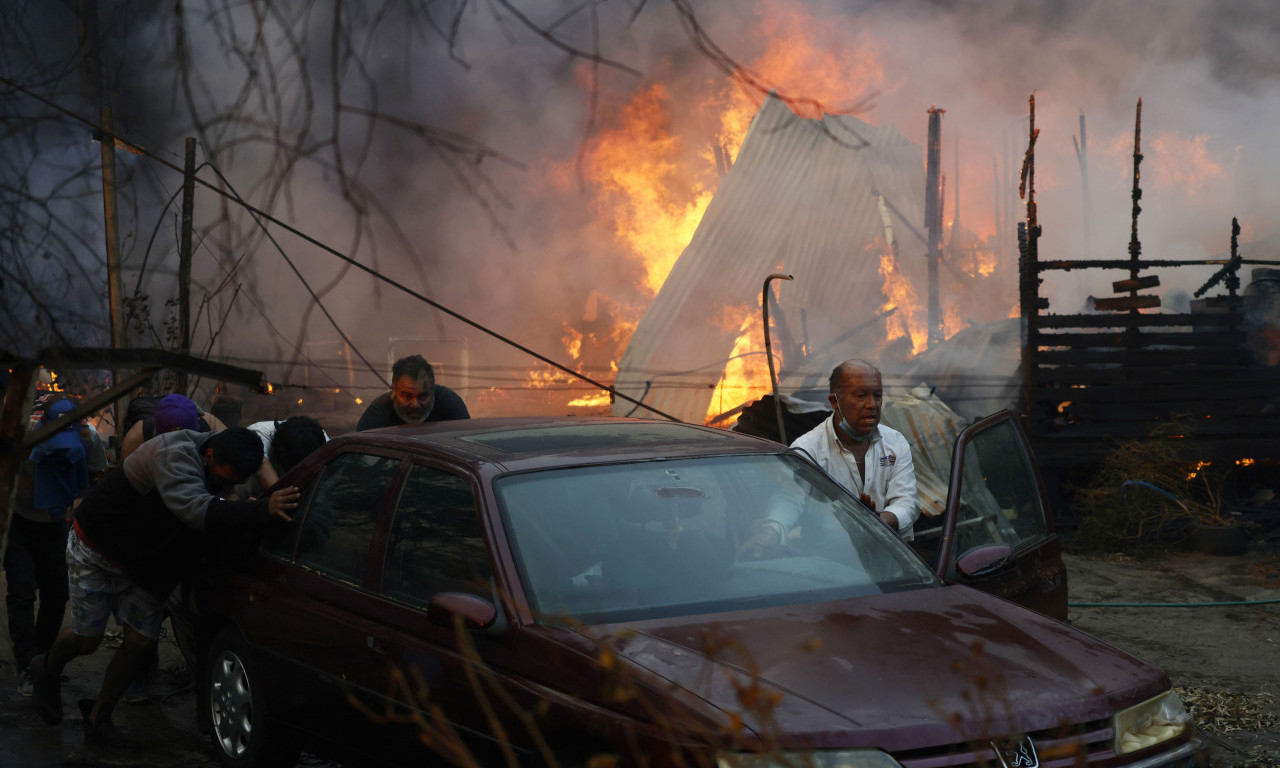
<point>997,532</point>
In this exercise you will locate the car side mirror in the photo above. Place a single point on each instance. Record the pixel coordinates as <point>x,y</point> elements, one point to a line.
<point>475,612</point>
<point>984,560</point>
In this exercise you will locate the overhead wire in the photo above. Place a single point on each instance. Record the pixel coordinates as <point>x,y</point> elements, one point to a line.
<point>256,212</point>
<point>267,234</point>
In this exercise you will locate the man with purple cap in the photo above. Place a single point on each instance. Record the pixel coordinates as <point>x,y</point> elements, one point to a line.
<point>172,412</point>
<point>176,412</point>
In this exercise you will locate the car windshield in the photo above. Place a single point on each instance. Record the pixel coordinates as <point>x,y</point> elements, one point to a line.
<point>639,540</point>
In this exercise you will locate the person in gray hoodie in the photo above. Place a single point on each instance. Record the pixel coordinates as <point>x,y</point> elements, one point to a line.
<point>137,533</point>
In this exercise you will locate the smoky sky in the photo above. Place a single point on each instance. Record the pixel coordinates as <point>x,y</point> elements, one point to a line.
<point>466,186</point>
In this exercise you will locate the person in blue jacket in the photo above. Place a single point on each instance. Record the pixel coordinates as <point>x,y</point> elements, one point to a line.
<point>35,565</point>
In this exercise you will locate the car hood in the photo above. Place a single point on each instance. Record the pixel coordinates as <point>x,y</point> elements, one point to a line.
<point>898,670</point>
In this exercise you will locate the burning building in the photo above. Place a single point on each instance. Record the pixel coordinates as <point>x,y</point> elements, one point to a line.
<point>839,205</point>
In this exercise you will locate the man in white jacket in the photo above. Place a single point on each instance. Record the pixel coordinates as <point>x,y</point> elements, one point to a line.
<point>871,460</point>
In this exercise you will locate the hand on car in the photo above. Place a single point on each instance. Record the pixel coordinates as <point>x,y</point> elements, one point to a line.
<point>282,502</point>
<point>766,536</point>
<point>889,519</point>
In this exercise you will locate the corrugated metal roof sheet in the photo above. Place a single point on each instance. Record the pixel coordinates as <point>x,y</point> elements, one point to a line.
<point>801,198</point>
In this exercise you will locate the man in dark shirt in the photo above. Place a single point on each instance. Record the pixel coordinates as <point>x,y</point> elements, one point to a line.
<point>415,397</point>
<point>137,533</point>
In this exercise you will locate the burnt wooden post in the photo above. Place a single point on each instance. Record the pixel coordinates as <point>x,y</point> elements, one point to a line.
<point>933,220</point>
<point>1029,301</point>
<point>1135,245</point>
<point>1134,302</point>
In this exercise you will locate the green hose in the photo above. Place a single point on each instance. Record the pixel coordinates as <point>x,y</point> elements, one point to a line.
<point>1223,604</point>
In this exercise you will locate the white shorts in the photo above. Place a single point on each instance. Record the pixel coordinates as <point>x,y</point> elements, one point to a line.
<point>100,590</point>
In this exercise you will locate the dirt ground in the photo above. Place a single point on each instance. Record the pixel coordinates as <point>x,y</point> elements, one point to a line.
<point>1224,658</point>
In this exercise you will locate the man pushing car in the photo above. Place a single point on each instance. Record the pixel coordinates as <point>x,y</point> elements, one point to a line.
<point>136,534</point>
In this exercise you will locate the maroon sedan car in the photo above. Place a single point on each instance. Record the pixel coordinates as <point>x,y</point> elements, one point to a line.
<point>562,592</point>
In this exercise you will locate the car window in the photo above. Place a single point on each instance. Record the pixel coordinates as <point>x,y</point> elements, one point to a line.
<point>436,543</point>
<point>658,538</point>
<point>336,531</point>
<point>1000,502</point>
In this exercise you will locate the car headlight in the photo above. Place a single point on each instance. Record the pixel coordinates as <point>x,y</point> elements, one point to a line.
<point>1155,720</point>
<point>832,758</point>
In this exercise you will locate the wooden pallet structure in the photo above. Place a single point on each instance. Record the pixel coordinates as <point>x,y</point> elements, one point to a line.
<point>1123,371</point>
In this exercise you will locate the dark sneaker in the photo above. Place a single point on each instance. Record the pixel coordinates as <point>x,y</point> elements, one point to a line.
<point>139,691</point>
<point>24,683</point>
<point>104,733</point>
<point>46,691</point>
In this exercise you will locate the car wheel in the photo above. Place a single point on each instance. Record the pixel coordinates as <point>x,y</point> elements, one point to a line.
<point>237,709</point>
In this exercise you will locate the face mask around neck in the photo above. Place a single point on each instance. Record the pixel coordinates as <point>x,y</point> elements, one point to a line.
<point>848,430</point>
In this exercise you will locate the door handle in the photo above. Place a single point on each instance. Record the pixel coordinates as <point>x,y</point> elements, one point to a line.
<point>376,644</point>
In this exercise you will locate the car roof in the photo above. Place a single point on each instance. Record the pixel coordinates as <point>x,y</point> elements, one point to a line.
<point>523,443</point>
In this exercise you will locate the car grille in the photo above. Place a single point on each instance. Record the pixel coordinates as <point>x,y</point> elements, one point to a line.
<point>1056,748</point>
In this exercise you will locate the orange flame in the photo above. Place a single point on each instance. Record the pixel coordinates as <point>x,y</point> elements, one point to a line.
<point>636,166</point>
<point>901,294</point>
<point>1184,162</point>
<point>746,374</point>
<point>591,401</point>
<point>646,182</point>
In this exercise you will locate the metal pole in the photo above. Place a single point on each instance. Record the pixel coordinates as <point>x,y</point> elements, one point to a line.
<point>768,352</point>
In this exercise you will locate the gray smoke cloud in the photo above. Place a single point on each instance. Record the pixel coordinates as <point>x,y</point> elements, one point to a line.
<point>516,240</point>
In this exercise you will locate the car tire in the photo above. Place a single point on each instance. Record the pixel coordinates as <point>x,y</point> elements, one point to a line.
<point>237,710</point>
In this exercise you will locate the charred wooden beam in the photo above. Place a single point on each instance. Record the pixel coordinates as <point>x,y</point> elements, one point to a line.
<point>85,407</point>
<point>1136,283</point>
<point>1230,273</point>
<point>1208,375</point>
<point>1220,303</point>
<point>1170,358</point>
<point>1106,433</point>
<point>1129,303</point>
<point>93,357</point>
<point>1070,264</point>
<point>1138,392</point>
<point>1104,339</point>
<point>1161,320</point>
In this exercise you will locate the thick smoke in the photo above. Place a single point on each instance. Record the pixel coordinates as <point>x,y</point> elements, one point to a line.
<point>489,214</point>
